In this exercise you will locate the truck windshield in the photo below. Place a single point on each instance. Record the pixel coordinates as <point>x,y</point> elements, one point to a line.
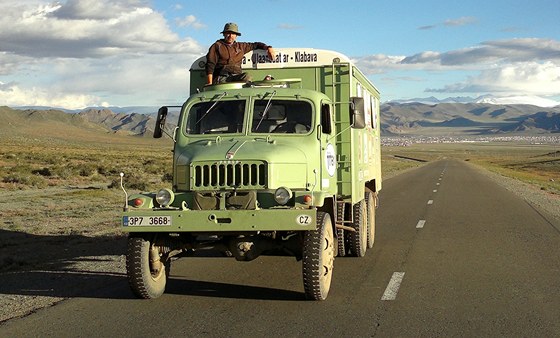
<point>281,116</point>
<point>223,117</point>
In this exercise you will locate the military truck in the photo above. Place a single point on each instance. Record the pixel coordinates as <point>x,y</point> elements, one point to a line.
<point>288,164</point>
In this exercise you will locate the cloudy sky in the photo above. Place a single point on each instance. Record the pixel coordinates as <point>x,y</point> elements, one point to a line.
<point>79,53</point>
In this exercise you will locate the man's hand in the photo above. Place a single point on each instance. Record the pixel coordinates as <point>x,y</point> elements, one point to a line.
<point>271,53</point>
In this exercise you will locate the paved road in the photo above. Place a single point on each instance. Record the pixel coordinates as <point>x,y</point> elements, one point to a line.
<point>455,255</point>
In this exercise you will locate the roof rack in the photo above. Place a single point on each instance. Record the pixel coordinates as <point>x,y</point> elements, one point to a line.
<point>281,83</point>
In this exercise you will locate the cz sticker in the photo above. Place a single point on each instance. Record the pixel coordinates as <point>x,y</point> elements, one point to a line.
<point>304,219</point>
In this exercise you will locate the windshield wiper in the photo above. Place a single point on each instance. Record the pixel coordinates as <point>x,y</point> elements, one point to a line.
<point>266,108</point>
<point>211,107</point>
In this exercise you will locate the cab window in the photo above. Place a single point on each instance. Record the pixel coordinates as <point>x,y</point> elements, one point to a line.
<point>281,116</point>
<point>222,117</point>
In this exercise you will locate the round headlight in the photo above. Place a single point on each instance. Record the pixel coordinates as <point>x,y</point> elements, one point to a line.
<point>282,195</point>
<point>164,197</point>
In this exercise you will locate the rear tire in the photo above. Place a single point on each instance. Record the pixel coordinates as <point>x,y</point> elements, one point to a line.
<point>357,240</point>
<point>147,280</point>
<point>340,243</point>
<point>318,258</point>
<point>370,207</point>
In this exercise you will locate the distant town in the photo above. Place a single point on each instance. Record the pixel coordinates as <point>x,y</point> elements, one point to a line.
<point>404,141</point>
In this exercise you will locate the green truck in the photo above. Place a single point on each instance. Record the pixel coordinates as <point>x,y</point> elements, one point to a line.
<point>286,165</point>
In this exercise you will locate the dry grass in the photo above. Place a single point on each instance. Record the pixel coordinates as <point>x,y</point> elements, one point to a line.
<point>50,187</point>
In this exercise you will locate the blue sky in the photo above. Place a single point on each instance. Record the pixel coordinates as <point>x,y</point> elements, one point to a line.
<point>79,53</point>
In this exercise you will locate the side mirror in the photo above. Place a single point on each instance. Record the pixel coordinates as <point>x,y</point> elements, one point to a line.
<point>357,113</point>
<point>160,122</point>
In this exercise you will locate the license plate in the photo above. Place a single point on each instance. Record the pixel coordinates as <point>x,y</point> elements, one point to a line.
<point>137,221</point>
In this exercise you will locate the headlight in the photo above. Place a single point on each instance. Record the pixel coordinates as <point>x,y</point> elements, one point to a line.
<point>282,195</point>
<point>165,197</point>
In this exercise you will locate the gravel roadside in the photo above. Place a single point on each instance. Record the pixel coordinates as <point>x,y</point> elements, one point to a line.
<point>546,203</point>
<point>81,267</point>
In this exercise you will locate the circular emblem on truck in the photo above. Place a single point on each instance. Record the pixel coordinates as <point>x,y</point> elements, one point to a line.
<point>330,159</point>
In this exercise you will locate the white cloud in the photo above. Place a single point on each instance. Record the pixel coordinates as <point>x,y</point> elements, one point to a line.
<point>489,53</point>
<point>86,29</point>
<point>462,21</point>
<point>13,95</point>
<point>514,66</point>
<point>289,26</point>
<point>95,9</point>
<point>75,54</point>
<point>513,50</point>
<point>190,21</point>
<point>379,63</point>
<point>519,78</point>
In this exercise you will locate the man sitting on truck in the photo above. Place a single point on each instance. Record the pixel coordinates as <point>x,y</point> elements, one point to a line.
<point>223,61</point>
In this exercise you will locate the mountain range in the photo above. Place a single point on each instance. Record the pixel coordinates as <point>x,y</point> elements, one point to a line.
<point>468,119</point>
<point>397,118</point>
<point>488,98</point>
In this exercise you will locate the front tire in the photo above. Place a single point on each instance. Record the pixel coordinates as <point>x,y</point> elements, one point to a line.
<point>318,258</point>
<point>146,278</point>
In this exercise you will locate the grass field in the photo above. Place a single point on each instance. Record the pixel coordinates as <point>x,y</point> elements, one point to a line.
<point>59,188</point>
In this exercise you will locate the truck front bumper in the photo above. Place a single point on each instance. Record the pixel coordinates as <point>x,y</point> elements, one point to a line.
<point>202,221</point>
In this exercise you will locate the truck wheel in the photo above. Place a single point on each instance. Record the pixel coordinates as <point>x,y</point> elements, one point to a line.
<point>146,279</point>
<point>340,243</point>
<point>357,240</point>
<point>370,207</point>
<point>318,258</point>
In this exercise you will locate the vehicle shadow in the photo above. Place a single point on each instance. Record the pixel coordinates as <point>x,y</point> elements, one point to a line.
<point>61,265</point>
<point>69,266</point>
<point>226,290</point>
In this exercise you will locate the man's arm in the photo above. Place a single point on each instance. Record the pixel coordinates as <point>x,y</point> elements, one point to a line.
<point>211,61</point>
<point>259,45</point>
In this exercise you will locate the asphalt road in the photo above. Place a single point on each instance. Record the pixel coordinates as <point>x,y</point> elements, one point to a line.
<point>455,255</point>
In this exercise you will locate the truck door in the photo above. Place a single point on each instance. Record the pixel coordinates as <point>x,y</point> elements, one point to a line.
<point>328,149</point>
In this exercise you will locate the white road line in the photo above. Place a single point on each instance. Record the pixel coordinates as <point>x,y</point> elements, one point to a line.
<point>420,223</point>
<point>437,183</point>
<point>393,286</point>
<point>435,190</point>
<point>431,202</point>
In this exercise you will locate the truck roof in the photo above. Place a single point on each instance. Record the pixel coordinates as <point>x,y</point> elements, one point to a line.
<point>285,58</point>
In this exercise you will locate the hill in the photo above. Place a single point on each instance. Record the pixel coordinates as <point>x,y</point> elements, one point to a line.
<point>132,124</point>
<point>467,119</point>
<point>50,122</point>
<point>59,126</point>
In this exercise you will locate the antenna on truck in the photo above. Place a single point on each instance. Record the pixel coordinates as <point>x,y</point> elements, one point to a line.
<point>125,194</point>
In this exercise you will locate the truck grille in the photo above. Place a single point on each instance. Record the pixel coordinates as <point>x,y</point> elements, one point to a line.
<point>236,175</point>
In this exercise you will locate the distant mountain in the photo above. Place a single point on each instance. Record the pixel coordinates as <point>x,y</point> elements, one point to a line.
<point>115,109</point>
<point>468,118</point>
<point>490,99</point>
<point>50,123</point>
<point>134,123</point>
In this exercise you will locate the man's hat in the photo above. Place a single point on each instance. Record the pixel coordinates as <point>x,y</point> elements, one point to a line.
<point>231,27</point>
